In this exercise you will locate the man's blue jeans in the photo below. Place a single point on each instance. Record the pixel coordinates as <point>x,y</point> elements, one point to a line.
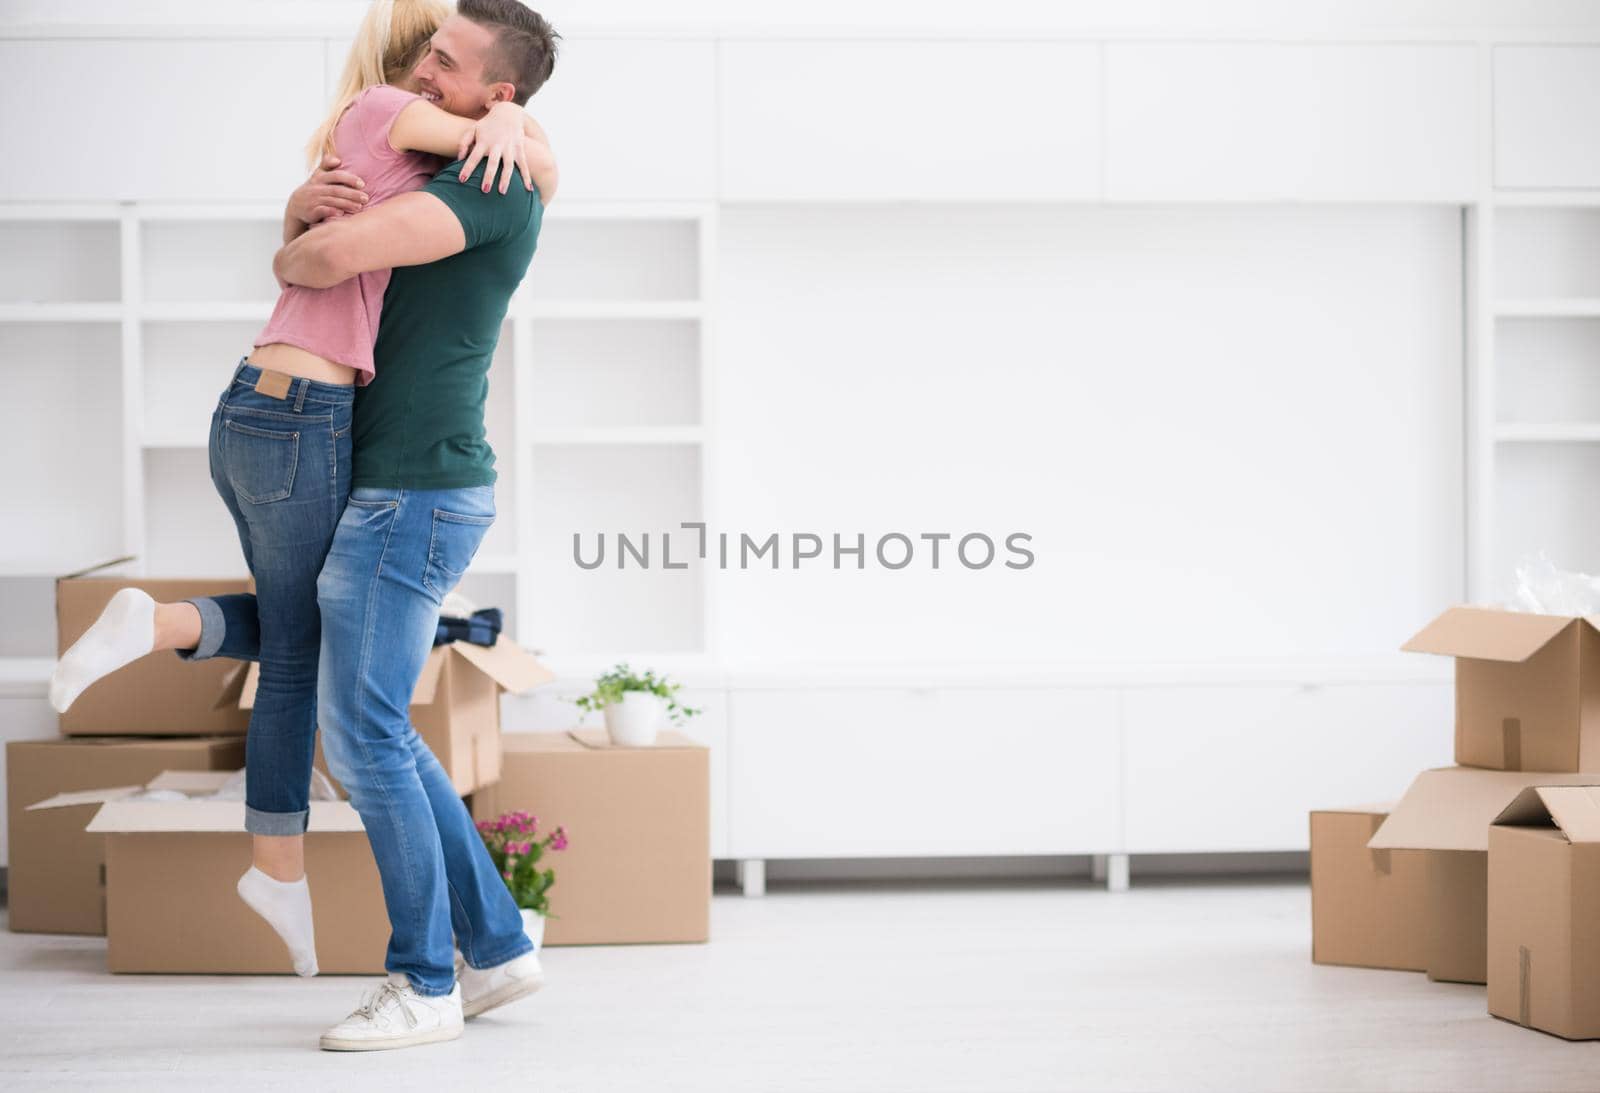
<point>396,555</point>
<point>282,467</point>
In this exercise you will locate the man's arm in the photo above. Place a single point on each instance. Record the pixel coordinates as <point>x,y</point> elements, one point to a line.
<point>329,192</point>
<point>408,230</point>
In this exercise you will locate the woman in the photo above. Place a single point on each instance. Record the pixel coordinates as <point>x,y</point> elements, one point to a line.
<point>280,441</point>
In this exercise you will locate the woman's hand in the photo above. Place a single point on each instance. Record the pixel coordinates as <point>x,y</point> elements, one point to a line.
<point>499,138</point>
<point>327,193</point>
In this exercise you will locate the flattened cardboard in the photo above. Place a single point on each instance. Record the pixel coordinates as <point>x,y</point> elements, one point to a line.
<point>455,705</point>
<point>600,740</point>
<point>124,813</point>
<point>638,866</point>
<point>1527,687</point>
<point>157,695</point>
<point>53,789</point>
<point>1451,808</point>
<point>85,797</point>
<point>171,868</point>
<point>1368,907</point>
<point>1544,911</point>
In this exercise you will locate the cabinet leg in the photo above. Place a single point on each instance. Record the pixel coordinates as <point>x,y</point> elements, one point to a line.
<point>1116,872</point>
<point>752,874</point>
<point>1097,868</point>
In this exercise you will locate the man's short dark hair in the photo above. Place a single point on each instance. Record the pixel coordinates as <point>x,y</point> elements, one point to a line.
<point>524,52</point>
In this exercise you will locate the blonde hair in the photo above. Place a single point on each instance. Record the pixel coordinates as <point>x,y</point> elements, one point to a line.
<point>392,37</point>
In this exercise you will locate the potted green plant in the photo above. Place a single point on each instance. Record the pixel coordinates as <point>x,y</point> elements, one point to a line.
<point>516,849</point>
<point>636,705</point>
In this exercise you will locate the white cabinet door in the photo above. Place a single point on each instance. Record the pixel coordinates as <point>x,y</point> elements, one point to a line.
<point>1293,122</point>
<point>867,772</point>
<point>632,119</point>
<point>197,119</point>
<point>890,121</point>
<point>710,727</point>
<point>1547,116</point>
<point>1239,768</point>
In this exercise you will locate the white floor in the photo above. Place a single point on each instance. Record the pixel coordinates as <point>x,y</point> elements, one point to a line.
<point>1189,984</point>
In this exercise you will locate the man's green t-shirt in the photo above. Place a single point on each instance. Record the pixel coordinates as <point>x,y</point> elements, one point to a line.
<point>419,423</point>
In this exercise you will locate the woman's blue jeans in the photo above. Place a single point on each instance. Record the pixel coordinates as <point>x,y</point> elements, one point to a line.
<point>282,466</point>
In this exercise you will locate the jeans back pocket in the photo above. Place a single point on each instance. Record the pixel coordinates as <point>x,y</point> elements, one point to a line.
<point>260,462</point>
<point>453,544</point>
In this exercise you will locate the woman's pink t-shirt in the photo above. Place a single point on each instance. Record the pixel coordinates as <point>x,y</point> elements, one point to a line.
<point>341,323</point>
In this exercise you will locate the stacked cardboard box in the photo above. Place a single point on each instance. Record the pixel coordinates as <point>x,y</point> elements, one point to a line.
<point>157,714</point>
<point>57,869</point>
<point>638,868</point>
<point>157,878</point>
<point>1494,887</point>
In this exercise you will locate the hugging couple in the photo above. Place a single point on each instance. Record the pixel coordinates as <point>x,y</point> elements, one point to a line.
<point>349,448</point>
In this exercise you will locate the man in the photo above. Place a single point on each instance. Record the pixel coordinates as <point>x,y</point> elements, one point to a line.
<point>422,498</point>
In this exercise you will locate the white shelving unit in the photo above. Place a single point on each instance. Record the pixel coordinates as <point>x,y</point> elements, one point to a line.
<point>1537,260</point>
<point>146,307</point>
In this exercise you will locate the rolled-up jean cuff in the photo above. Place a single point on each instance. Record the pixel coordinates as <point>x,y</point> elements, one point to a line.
<point>213,628</point>
<point>275,823</point>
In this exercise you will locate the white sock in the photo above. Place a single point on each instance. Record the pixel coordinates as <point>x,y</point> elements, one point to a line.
<point>286,905</point>
<point>124,632</point>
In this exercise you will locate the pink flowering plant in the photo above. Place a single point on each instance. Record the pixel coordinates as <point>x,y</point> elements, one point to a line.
<point>516,848</point>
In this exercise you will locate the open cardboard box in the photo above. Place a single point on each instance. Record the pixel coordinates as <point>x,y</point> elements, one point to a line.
<point>171,868</point>
<point>1527,687</point>
<point>56,878</point>
<point>455,705</point>
<point>638,866</point>
<point>1447,813</point>
<point>157,695</point>
<point>1544,911</point>
<point>1368,907</point>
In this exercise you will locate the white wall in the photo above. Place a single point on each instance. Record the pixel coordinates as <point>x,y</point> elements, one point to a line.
<point>1233,434</point>
<point>1464,18</point>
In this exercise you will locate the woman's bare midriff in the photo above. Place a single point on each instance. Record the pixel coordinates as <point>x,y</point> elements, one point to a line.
<point>294,361</point>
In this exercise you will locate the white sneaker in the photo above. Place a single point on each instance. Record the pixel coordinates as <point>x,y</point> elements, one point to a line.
<point>395,1015</point>
<point>482,989</point>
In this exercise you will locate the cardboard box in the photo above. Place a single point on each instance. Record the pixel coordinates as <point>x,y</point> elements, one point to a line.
<point>57,870</point>
<point>1544,911</point>
<point>1527,687</point>
<point>1368,907</point>
<point>1458,915</point>
<point>171,868</point>
<point>455,706</point>
<point>157,695</point>
<point>638,866</point>
<point>1447,812</point>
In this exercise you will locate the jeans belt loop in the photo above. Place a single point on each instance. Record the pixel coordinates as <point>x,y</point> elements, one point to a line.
<point>300,399</point>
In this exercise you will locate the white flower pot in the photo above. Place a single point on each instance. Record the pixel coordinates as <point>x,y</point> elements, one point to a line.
<point>533,926</point>
<point>634,721</point>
